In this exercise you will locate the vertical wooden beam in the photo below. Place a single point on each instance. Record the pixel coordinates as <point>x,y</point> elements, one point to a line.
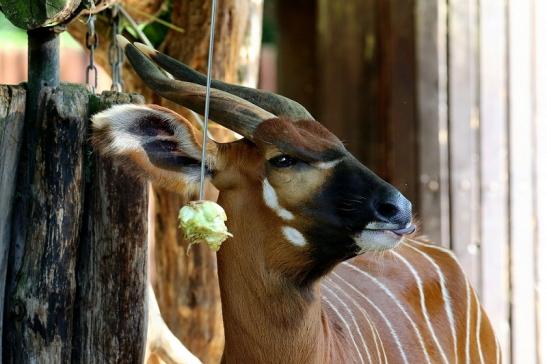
<point>463,135</point>
<point>110,314</point>
<point>540,133</point>
<point>520,183</point>
<point>297,51</point>
<point>432,83</point>
<point>348,64</point>
<point>397,93</point>
<point>494,168</point>
<point>45,231</point>
<point>12,114</point>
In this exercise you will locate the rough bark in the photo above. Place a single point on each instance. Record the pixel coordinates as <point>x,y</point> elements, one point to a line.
<point>186,286</point>
<point>46,226</point>
<point>110,309</point>
<point>12,114</point>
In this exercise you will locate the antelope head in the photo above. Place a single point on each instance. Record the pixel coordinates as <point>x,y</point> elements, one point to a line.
<point>316,202</point>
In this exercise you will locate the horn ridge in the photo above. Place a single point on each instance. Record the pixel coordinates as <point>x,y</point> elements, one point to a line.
<point>279,105</point>
<point>228,110</point>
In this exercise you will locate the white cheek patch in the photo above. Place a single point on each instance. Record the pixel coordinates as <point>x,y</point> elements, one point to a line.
<point>327,165</point>
<point>294,236</point>
<point>270,199</point>
<point>370,240</point>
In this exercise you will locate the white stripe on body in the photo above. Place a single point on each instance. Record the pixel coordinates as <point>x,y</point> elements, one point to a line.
<point>399,305</point>
<point>446,298</point>
<point>382,315</point>
<point>375,335</point>
<point>354,323</point>
<point>425,313</point>
<point>478,330</point>
<point>345,323</point>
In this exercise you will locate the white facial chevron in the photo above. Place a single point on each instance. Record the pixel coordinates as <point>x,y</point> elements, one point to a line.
<point>270,198</point>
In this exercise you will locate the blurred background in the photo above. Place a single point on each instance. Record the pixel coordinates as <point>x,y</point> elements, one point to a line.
<point>447,100</point>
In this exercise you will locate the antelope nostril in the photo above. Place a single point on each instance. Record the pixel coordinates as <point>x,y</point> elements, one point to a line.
<point>394,209</point>
<point>387,210</point>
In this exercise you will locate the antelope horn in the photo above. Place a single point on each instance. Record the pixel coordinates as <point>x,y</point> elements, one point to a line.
<point>276,104</point>
<point>228,110</point>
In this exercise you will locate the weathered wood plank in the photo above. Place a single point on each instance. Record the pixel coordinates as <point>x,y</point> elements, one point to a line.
<point>12,114</point>
<point>520,183</point>
<point>348,81</point>
<point>432,83</point>
<point>297,35</point>
<point>110,313</point>
<point>540,158</point>
<point>397,94</point>
<point>45,230</point>
<point>463,135</point>
<point>494,169</point>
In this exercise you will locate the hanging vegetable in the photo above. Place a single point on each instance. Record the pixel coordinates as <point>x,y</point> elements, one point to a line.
<point>203,222</point>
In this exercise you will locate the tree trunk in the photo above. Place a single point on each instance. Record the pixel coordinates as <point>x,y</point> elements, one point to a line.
<point>186,285</point>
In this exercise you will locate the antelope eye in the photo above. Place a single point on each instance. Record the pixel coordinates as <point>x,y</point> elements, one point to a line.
<point>283,161</point>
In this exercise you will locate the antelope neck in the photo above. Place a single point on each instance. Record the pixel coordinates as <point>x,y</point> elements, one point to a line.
<point>267,318</point>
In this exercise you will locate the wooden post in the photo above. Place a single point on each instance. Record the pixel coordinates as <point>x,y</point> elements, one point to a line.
<point>45,230</point>
<point>12,114</point>
<point>72,285</point>
<point>110,312</point>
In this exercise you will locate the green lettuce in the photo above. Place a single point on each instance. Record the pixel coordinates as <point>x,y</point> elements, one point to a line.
<point>203,222</point>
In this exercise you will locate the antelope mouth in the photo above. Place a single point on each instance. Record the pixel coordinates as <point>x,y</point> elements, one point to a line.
<point>396,229</point>
<point>378,236</point>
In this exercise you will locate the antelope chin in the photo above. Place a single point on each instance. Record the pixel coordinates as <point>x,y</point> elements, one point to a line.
<point>381,236</point>
<point>376,240</point>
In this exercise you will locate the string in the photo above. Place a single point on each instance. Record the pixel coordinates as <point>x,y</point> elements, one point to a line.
<point>207,100</point>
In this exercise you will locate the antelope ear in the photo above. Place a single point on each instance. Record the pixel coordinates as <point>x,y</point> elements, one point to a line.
<point>155,142</point>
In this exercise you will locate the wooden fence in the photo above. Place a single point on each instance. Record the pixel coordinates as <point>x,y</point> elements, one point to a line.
<point>448,101</point>
<point>483,63</point>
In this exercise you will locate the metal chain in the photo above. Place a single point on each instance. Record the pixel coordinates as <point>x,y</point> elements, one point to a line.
<point>91,43</point>
<point>115,52</point>
<point>207,100</point>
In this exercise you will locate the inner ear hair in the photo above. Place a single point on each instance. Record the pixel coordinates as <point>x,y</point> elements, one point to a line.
<point>155,142</point>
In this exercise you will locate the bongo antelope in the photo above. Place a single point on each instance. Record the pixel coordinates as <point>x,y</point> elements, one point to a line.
<point>301,281</point>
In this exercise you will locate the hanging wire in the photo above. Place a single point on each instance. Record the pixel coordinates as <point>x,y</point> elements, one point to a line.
<point>91,43</point>
<point>207,100</point>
